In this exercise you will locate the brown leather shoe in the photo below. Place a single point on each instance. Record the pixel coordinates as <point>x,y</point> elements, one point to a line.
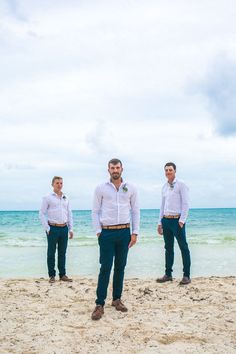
<point>185,281</point>
<point>98,312</point>
<point>119,305</point>
<point>164,279</point>
<point>65,278</point>
<point>52,280</point>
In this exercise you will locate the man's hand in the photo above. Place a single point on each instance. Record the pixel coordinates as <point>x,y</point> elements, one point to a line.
<point>181,224</point>
<point>133,240</point>
<point>160,229</point>
<point>71,234</point>
<point>98,234</point>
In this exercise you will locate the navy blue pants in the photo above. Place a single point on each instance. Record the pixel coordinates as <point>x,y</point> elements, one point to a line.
<point>171,230</point>
<point>113,246</point>
<point>57,239</point>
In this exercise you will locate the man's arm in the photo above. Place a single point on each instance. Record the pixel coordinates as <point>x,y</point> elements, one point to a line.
<point>135,215</point>
<point>161,214</point>
<point>135,212</point>
<point>184,192</point>
<point>97,203</point>
<point>43,214</point>
<point>70,221</point>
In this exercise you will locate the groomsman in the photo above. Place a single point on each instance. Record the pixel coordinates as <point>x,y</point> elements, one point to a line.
<point>114,201</point>
<point>173,214</point>
<point>56,217</point>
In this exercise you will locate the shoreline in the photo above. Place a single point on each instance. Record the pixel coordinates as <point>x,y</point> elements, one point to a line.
<point>144,261</point>
<point>77,278</point>
<point>39,317</point>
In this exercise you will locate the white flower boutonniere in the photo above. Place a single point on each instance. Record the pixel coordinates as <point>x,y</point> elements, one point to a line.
<point>125,189</point>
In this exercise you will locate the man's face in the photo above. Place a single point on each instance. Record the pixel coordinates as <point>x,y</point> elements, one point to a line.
<point>115,170</point>
<point>170,172</point>
<point>57,185</point>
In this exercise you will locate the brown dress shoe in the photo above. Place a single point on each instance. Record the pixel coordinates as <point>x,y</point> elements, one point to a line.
<point>65,278</point>
<point>52,280</point>
<point>98,312</point>
<point>164,279</point>
<point>185,281</point>
<point>119,305</point>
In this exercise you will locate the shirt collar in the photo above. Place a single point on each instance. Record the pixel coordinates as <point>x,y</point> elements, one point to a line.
<point>56,195</point>
<point>174,181</point>
<point>122,182</point>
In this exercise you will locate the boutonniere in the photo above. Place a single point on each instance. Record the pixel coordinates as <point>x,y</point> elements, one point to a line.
<point>64,197</point>
<point>125,189</point>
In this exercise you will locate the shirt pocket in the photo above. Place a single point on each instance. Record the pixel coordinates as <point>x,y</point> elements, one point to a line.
<point>176,191</point>
<point>65,203</point>
<point>53,205</point>
<point>124,197</point>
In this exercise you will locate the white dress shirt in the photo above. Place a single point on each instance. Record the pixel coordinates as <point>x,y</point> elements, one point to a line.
<point>115,207</point>
<point>56,210</point>
<point>175,200</point>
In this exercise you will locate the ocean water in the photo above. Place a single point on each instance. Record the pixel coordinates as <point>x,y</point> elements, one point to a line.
<point>211,235</point>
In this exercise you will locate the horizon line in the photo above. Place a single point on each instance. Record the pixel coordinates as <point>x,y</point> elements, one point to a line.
<point>35,210</point>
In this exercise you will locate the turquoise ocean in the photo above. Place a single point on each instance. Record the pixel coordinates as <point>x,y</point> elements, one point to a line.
<point>211,235</point>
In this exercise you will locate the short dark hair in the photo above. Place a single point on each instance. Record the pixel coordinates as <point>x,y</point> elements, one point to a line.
<point>56,177</point>
<point>114,162</point>
<point>170,164</point>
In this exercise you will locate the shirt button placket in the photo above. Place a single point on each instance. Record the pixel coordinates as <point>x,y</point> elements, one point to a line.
<point>118,207</point>
<point>61,210</point>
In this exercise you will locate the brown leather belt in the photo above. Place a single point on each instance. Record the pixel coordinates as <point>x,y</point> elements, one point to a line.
<point>171,216</point>
<point>116,227</point>
<point>57,225</point>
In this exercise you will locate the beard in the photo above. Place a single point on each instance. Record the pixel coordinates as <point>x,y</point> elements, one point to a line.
<point>115,175</point>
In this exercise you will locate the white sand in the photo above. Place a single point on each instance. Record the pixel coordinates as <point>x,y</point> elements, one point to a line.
<point>37,317</point>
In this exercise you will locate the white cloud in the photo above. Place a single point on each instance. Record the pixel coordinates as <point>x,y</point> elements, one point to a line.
<point>82,82</point>
<point>219,89</point>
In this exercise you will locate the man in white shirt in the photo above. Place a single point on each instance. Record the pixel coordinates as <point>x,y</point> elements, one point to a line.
<point>56,217</point>
<point>114,202</point>
<point>173,214</point>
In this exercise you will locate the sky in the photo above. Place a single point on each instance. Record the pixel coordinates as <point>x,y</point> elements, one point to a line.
<point>146,81</point>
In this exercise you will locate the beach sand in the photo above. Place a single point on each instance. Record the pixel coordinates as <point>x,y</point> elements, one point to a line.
<point>37,317</point>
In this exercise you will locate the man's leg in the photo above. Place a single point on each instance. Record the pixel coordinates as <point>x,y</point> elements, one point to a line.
<point>52,245</point>
<point>106,244</point>
<point>62,246</point>
<point>121,252</point>
<point>168,236</point>
<point>183,245</point>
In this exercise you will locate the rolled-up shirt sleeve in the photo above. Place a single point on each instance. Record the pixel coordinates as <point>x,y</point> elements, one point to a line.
<point>96,210</point>
<point>70,218</point>
<point>43,214</point>
<point>135,212</point>
<point>184,192</point>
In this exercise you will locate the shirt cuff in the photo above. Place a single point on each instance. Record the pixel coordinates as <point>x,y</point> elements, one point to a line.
<point>98,231</point>
<point>182,220</point>
<point>47,229</point>
<point>135,232</point>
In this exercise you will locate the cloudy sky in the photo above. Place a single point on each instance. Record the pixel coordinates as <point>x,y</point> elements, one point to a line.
<point>148,81</point>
